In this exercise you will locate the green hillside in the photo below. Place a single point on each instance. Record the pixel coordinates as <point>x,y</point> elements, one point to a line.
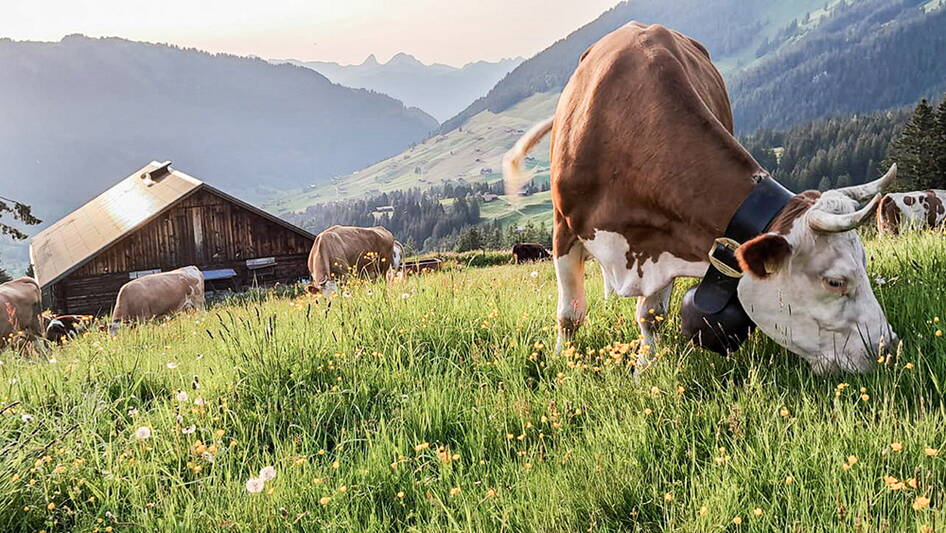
<point>471,153</point>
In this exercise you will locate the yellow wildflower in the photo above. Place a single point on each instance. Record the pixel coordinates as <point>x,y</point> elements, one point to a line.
<point>921,503</point>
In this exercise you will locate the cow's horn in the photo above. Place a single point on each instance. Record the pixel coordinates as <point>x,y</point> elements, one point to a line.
<point>820,220</point>
<point>862,192</point>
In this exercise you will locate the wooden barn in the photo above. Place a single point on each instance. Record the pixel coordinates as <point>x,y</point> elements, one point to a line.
<point>159,219</point>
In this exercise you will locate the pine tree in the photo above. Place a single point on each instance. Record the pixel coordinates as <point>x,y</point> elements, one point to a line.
<point>939,145</point>
<point>914,150</point>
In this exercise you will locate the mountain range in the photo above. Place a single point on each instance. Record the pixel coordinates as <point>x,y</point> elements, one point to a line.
<point>441,90</point>
<point>786,63</point>
<point>81,113</point>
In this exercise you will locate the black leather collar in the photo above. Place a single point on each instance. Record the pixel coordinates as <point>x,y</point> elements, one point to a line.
<point>754,215</point>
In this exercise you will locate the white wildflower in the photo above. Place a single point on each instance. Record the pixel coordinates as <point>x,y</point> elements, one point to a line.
<point>199,401</point>
<point>255,485</point>
<point>267,473</point>
<point>171,365</point>
<point>181,396</point>
<point>189,429</point>
<point>534,274</point>
<point>142,433</point>
<point>26,418</point>
<point>132,412</point>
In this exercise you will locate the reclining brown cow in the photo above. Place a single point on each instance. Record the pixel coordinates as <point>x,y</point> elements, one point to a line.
<point>157,295</point>
<point>343,251</point>
<point>20,308</point>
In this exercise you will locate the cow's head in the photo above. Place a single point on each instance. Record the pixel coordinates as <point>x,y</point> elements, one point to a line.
<point>807,286</point>
<point>327,288</point>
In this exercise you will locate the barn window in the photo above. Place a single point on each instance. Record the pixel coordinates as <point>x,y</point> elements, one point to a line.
<point>139,273</point>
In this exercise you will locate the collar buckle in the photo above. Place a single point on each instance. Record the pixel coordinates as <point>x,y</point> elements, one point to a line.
<point>724,243</point>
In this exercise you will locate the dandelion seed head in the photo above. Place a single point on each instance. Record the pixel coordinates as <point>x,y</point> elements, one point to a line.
<point>267,473</point>
<point>255,485</point>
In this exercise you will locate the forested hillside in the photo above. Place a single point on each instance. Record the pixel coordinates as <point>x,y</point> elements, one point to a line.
<point>827,153</point>
<point>728,28</point>
<point>868,55</point>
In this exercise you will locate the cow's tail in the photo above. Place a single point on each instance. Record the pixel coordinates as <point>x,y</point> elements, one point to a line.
<point>513,174</point>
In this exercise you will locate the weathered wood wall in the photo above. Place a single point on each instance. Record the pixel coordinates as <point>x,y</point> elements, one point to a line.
<point>205,230</point>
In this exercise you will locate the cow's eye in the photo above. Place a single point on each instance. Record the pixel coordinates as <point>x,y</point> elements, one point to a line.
<point>835,285</point>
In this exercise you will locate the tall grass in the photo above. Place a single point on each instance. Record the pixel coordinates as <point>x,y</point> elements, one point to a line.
<point>435,404</point>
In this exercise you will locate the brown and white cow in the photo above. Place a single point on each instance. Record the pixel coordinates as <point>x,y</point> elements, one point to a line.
<point>20,308</point>
<point>63,327</point>
<point>911,210</point>
<point>646,173</point>
<point>343,251</point>
<point>157,295</point>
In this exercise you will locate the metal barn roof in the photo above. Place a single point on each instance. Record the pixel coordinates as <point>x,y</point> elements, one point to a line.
<point>71,242</point>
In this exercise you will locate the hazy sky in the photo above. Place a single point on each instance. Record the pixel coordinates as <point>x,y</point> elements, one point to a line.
<point>446,31</point>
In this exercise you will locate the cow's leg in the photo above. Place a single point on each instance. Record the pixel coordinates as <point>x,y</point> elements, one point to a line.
<point>651,312</point>
<point>572,305</point>
<point>608,289</point>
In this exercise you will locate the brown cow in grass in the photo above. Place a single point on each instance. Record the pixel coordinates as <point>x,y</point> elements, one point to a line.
<point>911,210</point>
<point>157,295</point>
<point>343,251</point>
<point>529,251</point>
<point>646,177</point>
<point>20,308</point>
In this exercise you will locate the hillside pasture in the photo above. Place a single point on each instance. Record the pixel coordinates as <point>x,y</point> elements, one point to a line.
<point>435,403</point>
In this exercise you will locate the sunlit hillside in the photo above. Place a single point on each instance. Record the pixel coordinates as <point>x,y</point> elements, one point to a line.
<point>471,153</point>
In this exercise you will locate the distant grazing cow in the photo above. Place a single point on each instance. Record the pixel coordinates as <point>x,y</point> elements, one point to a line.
<point>20,307</point>
<point>63,327</point>
<point>160,294</point>
<point>529,251</point>
<point>911,210</point>
<point>343,251</point>
<point>647,177</point>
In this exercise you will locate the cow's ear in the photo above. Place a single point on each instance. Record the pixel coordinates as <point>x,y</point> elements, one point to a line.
<point>764,255</point>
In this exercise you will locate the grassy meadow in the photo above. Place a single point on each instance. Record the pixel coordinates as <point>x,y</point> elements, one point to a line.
<point>436,404</point>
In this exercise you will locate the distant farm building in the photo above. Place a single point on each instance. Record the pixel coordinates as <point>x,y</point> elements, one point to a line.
<point>379,212</point>
<point>159,219</point>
